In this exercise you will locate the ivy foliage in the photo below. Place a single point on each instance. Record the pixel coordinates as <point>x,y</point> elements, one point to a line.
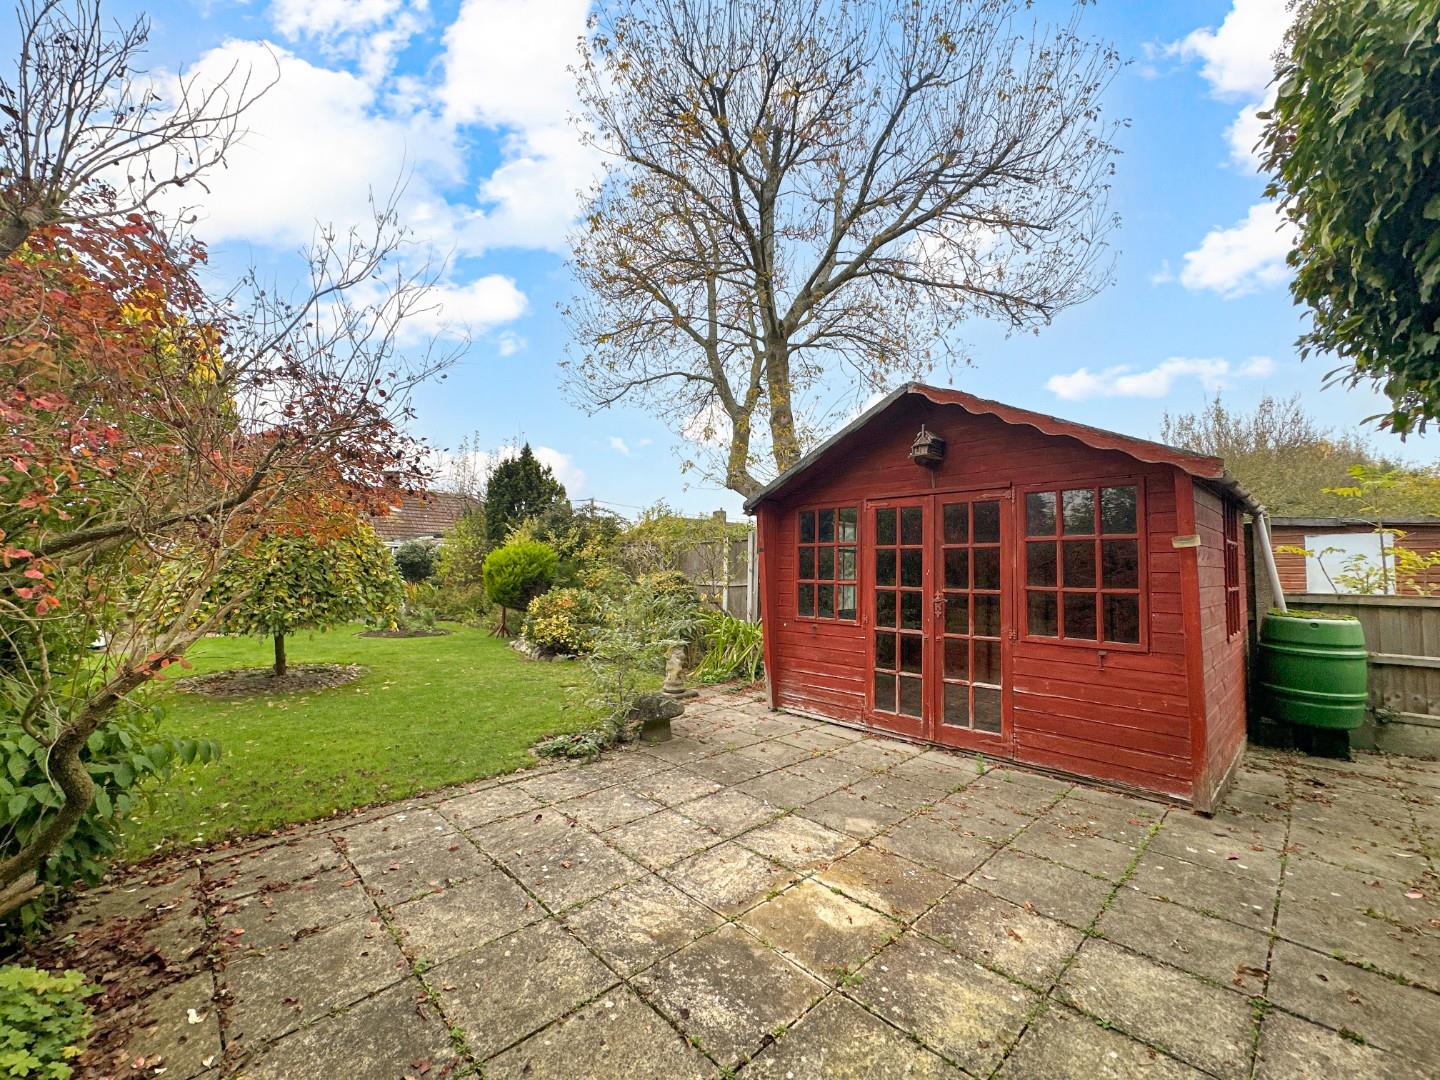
<point>307,581</point>
<point>124,758</point>
<point>1353,147</point>
<point>44,1022</point>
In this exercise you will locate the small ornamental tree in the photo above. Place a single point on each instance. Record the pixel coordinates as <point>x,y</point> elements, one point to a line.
<point>415,560</point>
<point>517,573</point>
<point>304,581</point>
<point>1350,148</point>
<point>520,487</point>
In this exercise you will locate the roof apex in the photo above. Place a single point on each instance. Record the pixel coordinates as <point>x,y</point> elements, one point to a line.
<point>1200,466</point>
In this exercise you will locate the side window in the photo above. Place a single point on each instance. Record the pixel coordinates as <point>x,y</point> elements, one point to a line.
<point>1083,550</point>
<point>1232,569</point>
<point>825,559</point>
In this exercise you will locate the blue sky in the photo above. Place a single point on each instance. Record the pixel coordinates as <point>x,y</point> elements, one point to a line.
<point>470,97</point>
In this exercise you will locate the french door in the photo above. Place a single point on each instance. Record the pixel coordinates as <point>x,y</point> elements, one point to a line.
<point>939,614</point>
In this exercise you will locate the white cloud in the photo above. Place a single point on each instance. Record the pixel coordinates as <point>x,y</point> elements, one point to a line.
<point>314,148</point>
<point>509,343</point>
<point>473,308</point>
<point>1239,58</point>
<point>447,466</point>
<point>1213,373</point>
<point>506,67</point>
<point>1238,61</point>
<point>619,445</point>
<point>368,31</point>
<point>1249,255</point>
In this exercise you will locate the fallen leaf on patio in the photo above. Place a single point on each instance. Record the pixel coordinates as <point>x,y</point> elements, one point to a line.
<point>1248,969</point>
<point>1414,894</point>
<point>207,1062</point>
<point>1354,998</point>
<point>1012,932</point>
<point>193,1017</point>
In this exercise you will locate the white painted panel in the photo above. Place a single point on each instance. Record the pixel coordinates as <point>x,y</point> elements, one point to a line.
<point>1329,552</point>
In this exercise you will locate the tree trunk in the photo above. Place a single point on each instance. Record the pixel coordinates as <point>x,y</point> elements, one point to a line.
<point>502,628</point>
<point>18,872</point>
<point>281,666</point>
<point>737,467</point>
<point>783,442</point>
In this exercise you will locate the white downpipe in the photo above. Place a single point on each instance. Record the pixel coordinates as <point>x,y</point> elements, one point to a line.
<point>1262,532</point>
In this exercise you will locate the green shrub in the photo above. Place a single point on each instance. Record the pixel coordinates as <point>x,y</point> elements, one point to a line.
<point>517,573</point>
<point>460,561</point>
<point>415,560</point>
<point>563,621</point>
<point>734,649</point>
<point>123,757</point>
<point>627,658</point>
<point>44,1022</point>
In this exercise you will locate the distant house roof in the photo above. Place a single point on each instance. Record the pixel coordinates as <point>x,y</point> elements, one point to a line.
<point>424,516</point>
<point>1209,469</point>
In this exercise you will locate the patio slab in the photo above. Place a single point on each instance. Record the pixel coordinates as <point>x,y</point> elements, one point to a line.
<point>920,914</point>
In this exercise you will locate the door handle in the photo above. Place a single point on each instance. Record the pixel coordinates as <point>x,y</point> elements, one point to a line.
<point>939,604</point>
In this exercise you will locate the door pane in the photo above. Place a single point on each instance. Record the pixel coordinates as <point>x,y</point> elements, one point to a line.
<point>848,517</point>
<point>845,566</point>
<point>845,601</point>
<point>987,709</point>
<point>912,646</point>
<point>805,604</point>
<point>912,525</point>
<point>807,526</point>
<point>825,602</point>
<point>957,523</point>
<point>912,567</point>
<point>911,694</point>
<point>1079,564</point>
<point>957,659</point>
<point>957,613</point>
<point>885,566</point>
<point>1040,513</point>
<point>1080,615</point>
<point>884,526</point>
<point>884,693</point>
<point>957,705</point>
<point>807,562</point>
<point>957,568</point>
<point>987,522</point>
<point>885,651</point>
<point>987,662</point>
<point>1040,563</point>
<point>910,609</point>
<point>884,607</point>
<point>987,614</point>
<point>987,568</point>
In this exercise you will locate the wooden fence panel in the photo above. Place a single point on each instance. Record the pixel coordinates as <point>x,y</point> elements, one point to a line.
<point>1402,634</point>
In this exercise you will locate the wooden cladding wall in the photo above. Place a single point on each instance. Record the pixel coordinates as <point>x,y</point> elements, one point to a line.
<point>1119,713</point>
<point>1223,653</point>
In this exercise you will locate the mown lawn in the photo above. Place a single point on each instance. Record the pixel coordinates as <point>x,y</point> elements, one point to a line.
<point>428,712</point>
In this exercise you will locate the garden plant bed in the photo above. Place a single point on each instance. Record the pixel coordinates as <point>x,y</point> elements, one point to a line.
<point>244,682</point>
<point>765,896</point>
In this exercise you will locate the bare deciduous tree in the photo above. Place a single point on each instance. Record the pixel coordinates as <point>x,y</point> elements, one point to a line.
<point>802,187</point>
<point>85,133</point>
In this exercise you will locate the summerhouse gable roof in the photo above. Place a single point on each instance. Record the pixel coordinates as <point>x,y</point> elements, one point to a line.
<point>1211,470</point>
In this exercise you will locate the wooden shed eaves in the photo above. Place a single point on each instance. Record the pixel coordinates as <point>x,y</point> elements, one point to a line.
<point>1200,466</point>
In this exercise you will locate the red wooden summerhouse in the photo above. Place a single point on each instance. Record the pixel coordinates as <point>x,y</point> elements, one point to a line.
<point>958,571</point>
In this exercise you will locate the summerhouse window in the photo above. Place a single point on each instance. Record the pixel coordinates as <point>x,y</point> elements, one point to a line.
<point>1232,569</point>
<point>1084,551</point>
<point>826,563</point>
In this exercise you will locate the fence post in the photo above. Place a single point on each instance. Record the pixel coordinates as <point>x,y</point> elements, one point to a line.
<point>752,577</point>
